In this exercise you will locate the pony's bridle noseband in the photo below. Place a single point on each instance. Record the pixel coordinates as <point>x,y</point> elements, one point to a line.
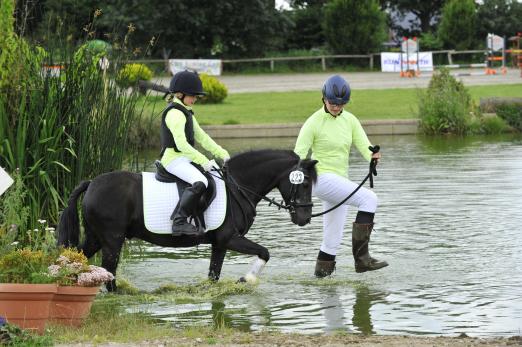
<point>296,177</point>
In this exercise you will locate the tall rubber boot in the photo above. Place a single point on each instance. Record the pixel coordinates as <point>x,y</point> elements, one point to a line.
<point>187,204</point>
<point>324,265</point>
<point>360,240</point>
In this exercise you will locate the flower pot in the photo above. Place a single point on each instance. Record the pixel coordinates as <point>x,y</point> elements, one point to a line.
<point>26,305</point>
<point>72,304</point>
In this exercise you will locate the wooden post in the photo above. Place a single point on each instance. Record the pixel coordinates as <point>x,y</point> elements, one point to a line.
<point>371,61</point>
<point>272,65</point>
<point>323,63</point>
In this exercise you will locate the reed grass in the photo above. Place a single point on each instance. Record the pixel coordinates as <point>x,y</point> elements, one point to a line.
<point>57,130</point>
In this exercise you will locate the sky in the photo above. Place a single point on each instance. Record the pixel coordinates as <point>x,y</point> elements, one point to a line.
<point>282,3</point>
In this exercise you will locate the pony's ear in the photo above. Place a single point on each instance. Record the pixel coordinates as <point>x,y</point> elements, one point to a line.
<point>309,163</point>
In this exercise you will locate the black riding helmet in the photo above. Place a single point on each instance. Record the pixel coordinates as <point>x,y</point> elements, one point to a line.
<point>186,82</point>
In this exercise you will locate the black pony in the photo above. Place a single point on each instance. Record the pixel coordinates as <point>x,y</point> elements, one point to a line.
<point>113,210</point>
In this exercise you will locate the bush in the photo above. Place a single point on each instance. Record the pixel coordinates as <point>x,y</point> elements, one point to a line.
<point>512,114</point>
<point>130,74</point>
<point>25,266</point>
<point>446,105</point>
<point>216,91</point>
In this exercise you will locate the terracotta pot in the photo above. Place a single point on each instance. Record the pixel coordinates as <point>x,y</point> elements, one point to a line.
<point>72,304</point>
<point>26,305</point>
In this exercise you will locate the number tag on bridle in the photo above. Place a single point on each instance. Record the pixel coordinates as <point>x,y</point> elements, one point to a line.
<point>296,177</point>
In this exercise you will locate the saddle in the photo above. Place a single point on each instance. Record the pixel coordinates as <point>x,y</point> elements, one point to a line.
<point>162,175</point>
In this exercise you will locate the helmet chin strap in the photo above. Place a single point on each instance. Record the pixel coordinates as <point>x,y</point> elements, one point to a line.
<point>326,110</point>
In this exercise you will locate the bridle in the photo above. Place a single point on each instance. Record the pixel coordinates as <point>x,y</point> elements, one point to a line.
<point>296,174</point>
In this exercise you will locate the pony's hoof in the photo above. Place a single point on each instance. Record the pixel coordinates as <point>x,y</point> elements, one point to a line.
<point>242,280</point>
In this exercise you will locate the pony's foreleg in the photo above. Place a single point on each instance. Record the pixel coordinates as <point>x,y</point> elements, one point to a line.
<point>243,245</point>
<point>216,262</point>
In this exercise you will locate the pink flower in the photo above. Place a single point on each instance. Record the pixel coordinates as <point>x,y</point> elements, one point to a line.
<point>54,270</point>
<point>95,277</point>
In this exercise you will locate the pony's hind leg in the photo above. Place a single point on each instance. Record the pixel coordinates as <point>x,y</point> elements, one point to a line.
<point>111,250</point>
<point>90,245</point>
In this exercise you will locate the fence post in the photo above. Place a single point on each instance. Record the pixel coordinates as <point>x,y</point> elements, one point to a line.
<point>371,61</point>
<point>450,58</point>
<point>272,65</point>
<point>323,63</point>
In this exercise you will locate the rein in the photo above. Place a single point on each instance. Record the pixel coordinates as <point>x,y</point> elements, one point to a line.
<point>291,206</point>
<point>372,172</point>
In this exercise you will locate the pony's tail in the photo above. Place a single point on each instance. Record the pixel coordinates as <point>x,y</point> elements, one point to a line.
<point>69,226</point>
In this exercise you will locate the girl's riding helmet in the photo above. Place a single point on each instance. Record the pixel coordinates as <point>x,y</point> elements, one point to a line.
<point>336,90</point>
<point>186,82</point>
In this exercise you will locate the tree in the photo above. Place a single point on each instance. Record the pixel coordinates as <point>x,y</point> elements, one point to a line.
<point>425,11</point>
<point>353,26</point>
<point>501,17</point>
<point>228,28</point>
<point>307,17</point>
<point>457,28</point>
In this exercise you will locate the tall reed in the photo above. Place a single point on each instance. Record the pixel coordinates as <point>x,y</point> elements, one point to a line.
<point>58,128</point>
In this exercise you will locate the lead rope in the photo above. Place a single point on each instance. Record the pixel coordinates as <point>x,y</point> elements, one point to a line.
<point>372,172</point>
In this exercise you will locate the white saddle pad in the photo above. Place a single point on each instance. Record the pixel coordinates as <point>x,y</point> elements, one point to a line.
<point>160,199</point>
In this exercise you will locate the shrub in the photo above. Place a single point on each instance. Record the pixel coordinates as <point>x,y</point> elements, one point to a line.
<point>216,91</point>
<point>25,266</point>
<point>512,114</point>
<point>493,125</point>
<point>130,74</point>
<point>446,105</point>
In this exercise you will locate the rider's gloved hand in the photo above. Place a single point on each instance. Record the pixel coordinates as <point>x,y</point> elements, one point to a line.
<point>209,165</point>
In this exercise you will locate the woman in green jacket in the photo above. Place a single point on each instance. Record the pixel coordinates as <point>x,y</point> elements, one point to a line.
<point>179,132</point>
<point>329,133</point>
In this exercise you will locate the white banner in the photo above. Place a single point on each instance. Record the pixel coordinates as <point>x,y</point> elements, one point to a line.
<point>207,66</point>
<point>391,62</point>
<point>5,181</point>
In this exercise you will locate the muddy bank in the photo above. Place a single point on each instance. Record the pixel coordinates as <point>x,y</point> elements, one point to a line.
<point>291,340</point>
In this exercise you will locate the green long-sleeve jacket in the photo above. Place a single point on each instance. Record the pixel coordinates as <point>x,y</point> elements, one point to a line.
<point>330,139</point>
<point>175,121</point>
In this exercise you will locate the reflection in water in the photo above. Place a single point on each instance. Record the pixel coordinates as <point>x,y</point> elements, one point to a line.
<point>333,310</point>
<point>364,299</point>
<point>449,224</point>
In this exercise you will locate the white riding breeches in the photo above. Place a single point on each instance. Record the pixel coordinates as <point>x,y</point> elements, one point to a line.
<point>332,189</point>
<point>182,168</point>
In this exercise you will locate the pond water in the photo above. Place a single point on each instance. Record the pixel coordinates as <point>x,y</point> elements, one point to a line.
<point>448,223</point>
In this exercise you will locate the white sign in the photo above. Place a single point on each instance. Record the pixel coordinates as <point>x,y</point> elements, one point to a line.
<point>391,62</point>
<point>5,181</point>
<point>410,46</point>
<point>207,66</point>
<point>296,177</point>
<point>495,42</point>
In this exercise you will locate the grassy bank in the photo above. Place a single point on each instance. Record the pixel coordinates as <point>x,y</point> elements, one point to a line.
<point>295,107</point>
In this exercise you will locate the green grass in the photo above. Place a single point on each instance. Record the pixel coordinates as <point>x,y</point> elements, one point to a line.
<point>295,107</point>
<point>113,317</point>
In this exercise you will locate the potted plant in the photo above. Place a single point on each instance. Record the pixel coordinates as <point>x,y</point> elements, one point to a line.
<point>78,284</point>
<point>26,288</point>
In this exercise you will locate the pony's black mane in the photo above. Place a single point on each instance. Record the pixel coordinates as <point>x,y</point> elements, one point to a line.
<point>254,156</point>
<point>251,158</point>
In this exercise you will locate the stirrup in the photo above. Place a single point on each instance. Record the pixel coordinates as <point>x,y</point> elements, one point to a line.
<point>186,229</point>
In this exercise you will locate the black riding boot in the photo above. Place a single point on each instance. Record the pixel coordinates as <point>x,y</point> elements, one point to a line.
<point>325,265</point>
<point>187,204</point>
<point>360,239</point>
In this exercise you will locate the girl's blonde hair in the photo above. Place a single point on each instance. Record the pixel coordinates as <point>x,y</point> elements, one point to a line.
<point>170,97</point>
